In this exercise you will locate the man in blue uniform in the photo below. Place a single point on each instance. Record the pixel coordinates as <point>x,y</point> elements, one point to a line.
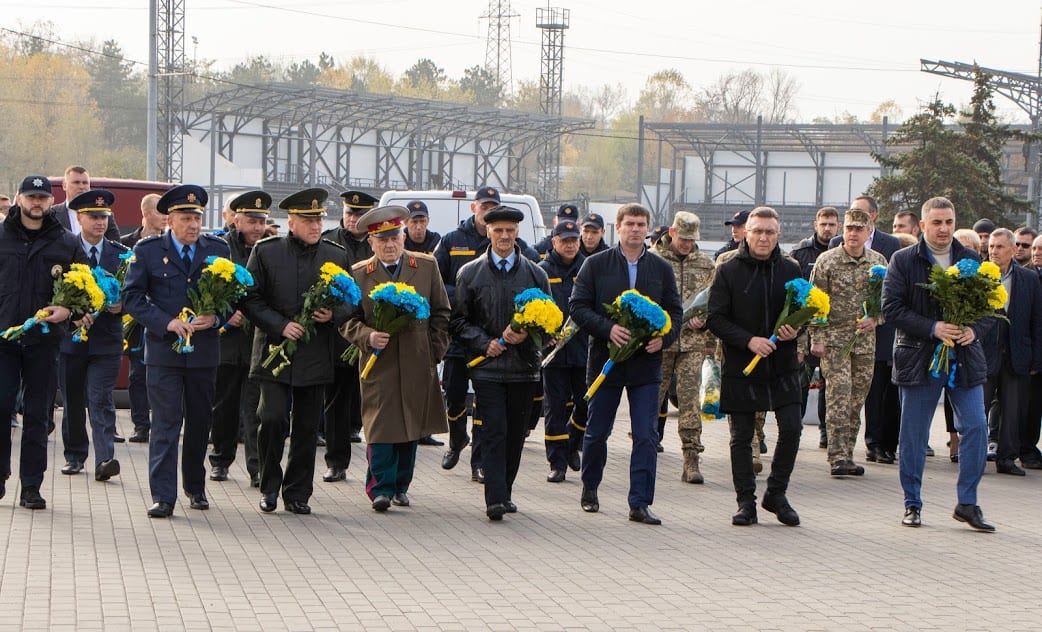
<point>180,385</point>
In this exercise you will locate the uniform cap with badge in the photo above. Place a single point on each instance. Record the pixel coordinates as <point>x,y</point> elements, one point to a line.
<point>35,185</point>
<point>358,202</point>
<point>306,203</point>
<point>593,219</point>
<point>252,204</point>
<point>417,209</point>
<point>94,202</point>
<point>687,224</point>
<point>486,194</point>
<point>568,211</point>
<point>855,217</point>
<point>184,198</point>
<point>566,230</point>
<point>384,221</point>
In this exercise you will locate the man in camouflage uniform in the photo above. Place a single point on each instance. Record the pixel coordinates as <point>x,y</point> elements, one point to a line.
<point>693,270</point>
<point>843,274</point>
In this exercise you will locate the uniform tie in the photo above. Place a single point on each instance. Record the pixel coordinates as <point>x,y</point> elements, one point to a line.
<point>93,256</point>
<point>186,256</point>
<point>391,270</point>
<point>503,263</point>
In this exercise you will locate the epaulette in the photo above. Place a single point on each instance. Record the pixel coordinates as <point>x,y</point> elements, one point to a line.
<point>118,246</point>
<point>331,242</point>
<point>220,232</point>
<point>422,255</point>
<point>213,237</point>
<point>148,240</point>
<point>266,240</point>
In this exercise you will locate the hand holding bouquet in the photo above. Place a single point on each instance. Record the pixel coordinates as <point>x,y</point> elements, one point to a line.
<point>221,284</point>
<point>112,287</point>
<point>644,318</point>
<point>334,288</point>
<point>873,305</point>
<point>803,303</point>
<point>534,312</point>
<point>395,305</point>
<point>76,290</point>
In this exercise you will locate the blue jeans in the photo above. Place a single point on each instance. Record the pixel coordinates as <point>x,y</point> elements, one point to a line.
<point>918,404</point>
<point>643,402</point>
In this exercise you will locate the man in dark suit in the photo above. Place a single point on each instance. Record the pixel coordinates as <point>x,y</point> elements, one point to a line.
<point>88,368</point>
<point>180,385</point>
<point>75,182</point>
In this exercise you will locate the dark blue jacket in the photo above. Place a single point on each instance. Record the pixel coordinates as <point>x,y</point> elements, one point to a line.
<point>28,270</point>
<point>601,279</point>
<point>1025,321</point>
<point>562,279</point>
<point>430,241</point>
<point>105,336</point>
<point>237,342</point>
<point>155,290</point>
<point>909,308</point>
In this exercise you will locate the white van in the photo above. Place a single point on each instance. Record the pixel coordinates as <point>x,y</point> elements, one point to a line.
<point>449,208</point>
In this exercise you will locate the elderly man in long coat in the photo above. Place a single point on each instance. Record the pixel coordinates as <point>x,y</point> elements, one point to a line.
<point>401,399</point>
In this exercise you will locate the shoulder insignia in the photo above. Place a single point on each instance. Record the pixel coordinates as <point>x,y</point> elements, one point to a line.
<point>148,240</point>
<point>267,240</point>
<point>370,267</point>
<point>333,243</point>
<point>412,262</point>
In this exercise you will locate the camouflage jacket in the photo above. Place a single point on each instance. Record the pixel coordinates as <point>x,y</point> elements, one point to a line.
<point>845,280</point>
<point>694,273</point>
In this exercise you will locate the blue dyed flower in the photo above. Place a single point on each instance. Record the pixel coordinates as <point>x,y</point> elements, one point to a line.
<point>243,276</point>
<point>877,273</point>
<point>801,289</point>
<point>126,255</point>
<point>344,289</point>
<point>108,284</point>
<point>529,295</point>
<point>967,268</point>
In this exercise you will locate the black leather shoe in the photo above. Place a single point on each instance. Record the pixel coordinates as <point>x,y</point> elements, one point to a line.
<point>886,457</point>
<point>298,507</point>
<point>745,516</point>
<point>161,510</point>
<point>198,501</point>
<point>254,480</point>
<point>477,475</point>
<point>381,503</point>
<point>269,503</point>
<point>335,474</point>
<point>779,506</point>
<point>588,501</point>
<point>1002,467</point>
<point>971,514</point>
<point>823,442</point>
<point>854,469</point>
<point>872,454</point>
<point>763,447</point>
<point>495,511</point>
<point>644,515</point>
<point>839,468</point>
<point>659,448</point>
<point>106,470</point>
<point>555,476</point>
<point>574,461</point>
<point>1031,464</point>
<point>31,499</point>
<point>72,467</point>
<point>912,518</point>
<point>430,440</point>
<point>450,459</point>
<point>510,506</point>
<point>219,473</point>
<point>117,438</point>
<point>3,488</point>
<point>355,437</point>
<point>401,499</point>
<point>320,441</point>
<point>929,451</point>
<point>140,436</point>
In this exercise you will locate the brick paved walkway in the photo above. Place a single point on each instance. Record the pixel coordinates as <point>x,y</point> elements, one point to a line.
<point>93,560</point>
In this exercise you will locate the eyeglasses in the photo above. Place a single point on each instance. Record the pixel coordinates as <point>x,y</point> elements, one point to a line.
<point>1021,244</point>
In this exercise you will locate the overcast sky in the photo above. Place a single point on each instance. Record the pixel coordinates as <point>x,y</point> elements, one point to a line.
<point>846,56</point>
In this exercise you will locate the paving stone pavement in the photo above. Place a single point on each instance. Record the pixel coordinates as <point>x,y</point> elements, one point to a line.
<point>93,560</point>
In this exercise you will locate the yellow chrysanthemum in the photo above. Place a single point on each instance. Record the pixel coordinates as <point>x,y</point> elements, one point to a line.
<point>990,270</point>
<point>330,270</point>
<point>820,301</point>
<point>952,271</point>
<point>997,297</point>
<point>665,328</point>
<point>542,314</point>
<point>223,268</point>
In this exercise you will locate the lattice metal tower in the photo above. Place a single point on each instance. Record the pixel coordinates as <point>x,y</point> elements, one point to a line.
<point>1024,90</point>
<point>497,45</point>
<point>554,22</point>
<point>169,75</point>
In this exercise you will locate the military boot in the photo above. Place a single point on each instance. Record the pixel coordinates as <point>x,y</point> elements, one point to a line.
<point>691,473</point>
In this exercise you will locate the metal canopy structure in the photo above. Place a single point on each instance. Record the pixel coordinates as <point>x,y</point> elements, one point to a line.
<point>307,134</point>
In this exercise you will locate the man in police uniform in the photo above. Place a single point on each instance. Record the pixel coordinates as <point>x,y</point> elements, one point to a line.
<point>180,385</point>
<point>566,213</point>
<point>343,408</point>
<point>592,235</point>
<point>235,408</point>
<point>283,269</point>
<point>88,368</point>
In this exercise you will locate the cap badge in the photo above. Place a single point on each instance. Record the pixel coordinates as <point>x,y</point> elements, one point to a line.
<point>354,199</point>
<point>314,204</point>
<point>258,203</point>
<point>191,198</point>
<point>37,182</point>
<point>99,201</point>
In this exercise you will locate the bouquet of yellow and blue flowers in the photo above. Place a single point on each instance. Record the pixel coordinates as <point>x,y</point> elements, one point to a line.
<point>709,390</point>
<point>966,291</point>
<point>112,287</point>
<point>803,303</point>
<point>872,307</point>
<point>76,290</point>
<point>334,288</point>
<point>221,284</point>
<point>534,312</point>
<point>395,305</point>
<point>644,318</point>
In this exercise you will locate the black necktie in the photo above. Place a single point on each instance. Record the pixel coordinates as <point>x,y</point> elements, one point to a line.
<point>186,256</point>
<point>93,256</point>
<point>503,266</point>
<point>391,270</point>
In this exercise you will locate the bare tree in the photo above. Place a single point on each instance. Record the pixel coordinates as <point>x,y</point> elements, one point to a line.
<point>739,97</point>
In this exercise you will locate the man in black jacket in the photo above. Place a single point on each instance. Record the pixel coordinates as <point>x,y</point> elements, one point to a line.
<point>34,250</point>
<point>745,299</point>
<point>284,269</point>
<point>505,382</point>
<point>602,278</point>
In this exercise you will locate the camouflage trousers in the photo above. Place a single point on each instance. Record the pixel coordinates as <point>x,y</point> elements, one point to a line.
<point>688,368</point>
<point>849,377</point>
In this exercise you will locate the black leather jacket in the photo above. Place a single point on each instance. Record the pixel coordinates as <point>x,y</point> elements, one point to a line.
<point>562,279</point>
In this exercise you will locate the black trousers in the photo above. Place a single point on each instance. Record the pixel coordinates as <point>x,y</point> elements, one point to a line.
<point>234,413</point>
<point>34,366</point>
<point>882,410</point>
<point>454,379</point>
<point>1010,398</point>
<point>504,410</point>
<point>562,387</point>
<point>297,483</point>
<point>1032,422</point>
<point>343,415</point>
<point>137,389</point>
<point>743,425</point>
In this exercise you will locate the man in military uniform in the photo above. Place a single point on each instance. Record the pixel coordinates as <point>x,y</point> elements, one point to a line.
<point>343,409</point>
<point>683,359</point>
<point>843,274</point>
<point>566,213</point>
<point>180,385</point>
<point>34,249</point>
<point>564,379</point>
<point>284,269</point>
<point>592,235</point>
<point>407,360</point>
<point>88,368</point>
<point>235,409</point>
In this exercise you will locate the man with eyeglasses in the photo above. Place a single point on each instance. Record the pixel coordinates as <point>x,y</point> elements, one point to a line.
<point>1022,240</point>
